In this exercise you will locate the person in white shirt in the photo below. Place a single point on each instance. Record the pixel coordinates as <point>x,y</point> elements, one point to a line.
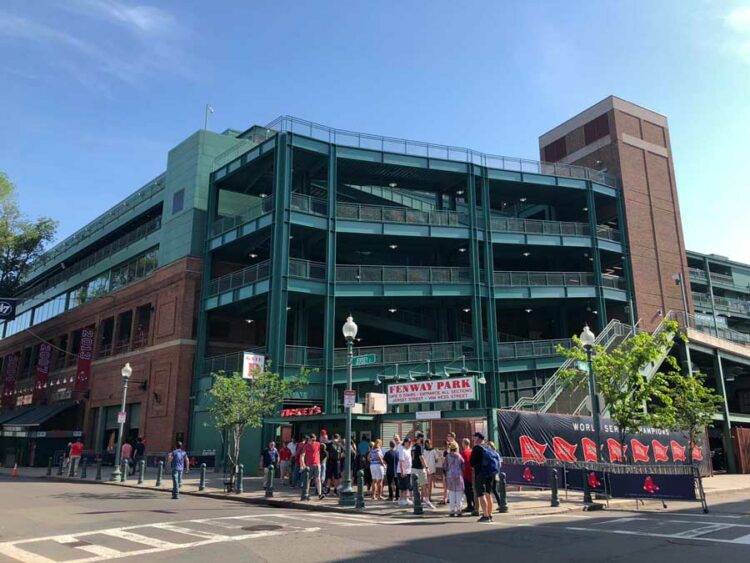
<point>430,457</point>
<point>404,468</point>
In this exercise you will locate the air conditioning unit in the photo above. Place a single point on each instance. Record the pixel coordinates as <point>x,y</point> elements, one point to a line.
<point>376,403</point>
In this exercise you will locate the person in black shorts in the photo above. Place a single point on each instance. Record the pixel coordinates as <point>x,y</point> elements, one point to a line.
<point>483,484</point>
<point>335,451</point>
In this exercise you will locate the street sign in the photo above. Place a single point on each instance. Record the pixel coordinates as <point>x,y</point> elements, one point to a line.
<point>428,415</point>
<point>582,366</point>
<point>122,416</point>
<point>363,360</point>
<point>350,399</point>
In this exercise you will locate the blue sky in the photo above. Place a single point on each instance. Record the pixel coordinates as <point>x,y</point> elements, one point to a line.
<point>94,92</point>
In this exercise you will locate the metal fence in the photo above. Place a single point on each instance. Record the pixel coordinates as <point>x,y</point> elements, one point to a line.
<point>254,211</point>
<point>537,227</point>
<point>531,348</point>
<point>240,278</point>
<point>403,215</point>
<point>525,279</point>
<point>309,204</point>
<point>306,269</point>
<point>726,303</point>
<point>402,274</point>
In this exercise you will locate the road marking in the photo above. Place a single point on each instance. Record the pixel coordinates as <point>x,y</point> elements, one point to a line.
<point>138,538</point>
<point>654,535</point>
<point>695,532</point>
<point>188,532</point>
<point>100,550</point>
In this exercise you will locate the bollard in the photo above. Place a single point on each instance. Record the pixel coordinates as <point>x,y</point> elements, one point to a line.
<point>359,502</point>
<point>125,467</point>
<point>70,467</point>
<point>503,493</point>
<point>305,484</point>
<point>49,467</point>
<point>555,499</point>
<point>586,491</point>
<point>84,465</point>
<point>269,482</point>
<point>240,487</point>
<point>98,469</point>
<point>417,495</point>
<point>202,482</point>
<point>159,474</point>
<point>141,471</point>
<point>61,467</point>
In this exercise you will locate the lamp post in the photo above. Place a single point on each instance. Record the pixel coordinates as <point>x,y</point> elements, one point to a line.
<point>588,338</point>
<point>347,494</point>
<point>126,372</point>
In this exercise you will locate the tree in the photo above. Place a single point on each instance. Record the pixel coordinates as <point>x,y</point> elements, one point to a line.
<point>633,399</point>
<point>21,240</point>
<point>694,404</point>
<point>239,404</point>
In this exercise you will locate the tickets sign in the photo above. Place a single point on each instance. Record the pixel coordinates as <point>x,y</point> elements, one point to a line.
<point>458,389</point>
<point>252,363</point>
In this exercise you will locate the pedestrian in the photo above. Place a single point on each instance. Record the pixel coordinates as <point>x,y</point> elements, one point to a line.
<point>486,464</point>
<point>323,458</point>
<point>430,457</point>
<point>454,478</point>
<point>468,475</point>
<point>179,461</point>
<point>419,468</point>
<point>450,437</point>
<point>391,462</point>
<point>285,457</point>
<point>496,484</point>
<point>362,462</point>
<point>404,471</point>
<point>75,452</point>
<point>333,467</point>
<point>310,459</point>
<point>296,471</point>
<point>377,469</point>
<point>269,457</point>
<point>139,453</point>
<point>126,454</point>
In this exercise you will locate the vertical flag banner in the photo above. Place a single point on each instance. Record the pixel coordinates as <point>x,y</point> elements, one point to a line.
<point>9,385</point>
<point>42,371</point>
<point>85,354</point>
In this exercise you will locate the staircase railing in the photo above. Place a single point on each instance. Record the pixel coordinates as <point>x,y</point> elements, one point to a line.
<point>555,385</point>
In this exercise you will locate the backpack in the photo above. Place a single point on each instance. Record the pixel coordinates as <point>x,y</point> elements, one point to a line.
<point>490,463</point>
<point>335,451</point>
<point>323,453</point>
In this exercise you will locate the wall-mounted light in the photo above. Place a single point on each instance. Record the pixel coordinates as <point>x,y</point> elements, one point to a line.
<point>392,310</point>
<point>528,310</point>
<point>249,321</point>
<point>392,185</point>
<point>522,200</point>
<point>253,255</point>
<point>466,310</point>
<point>462,249</point>
<point>527,254</point>
<point>393,246</point>
<point>459,192</point>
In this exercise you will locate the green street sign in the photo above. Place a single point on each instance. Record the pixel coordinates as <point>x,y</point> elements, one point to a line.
<point>363,360</point>
<point>583,366</point>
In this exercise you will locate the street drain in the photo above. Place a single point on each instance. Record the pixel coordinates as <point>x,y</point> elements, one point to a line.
<point>261,528</point>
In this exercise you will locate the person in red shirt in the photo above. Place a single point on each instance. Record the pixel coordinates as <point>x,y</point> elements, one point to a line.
<point>297,469</point>
<point>468,475</point>
<point>311,459</point>
<point>76,451</point>
<point>285,455</point>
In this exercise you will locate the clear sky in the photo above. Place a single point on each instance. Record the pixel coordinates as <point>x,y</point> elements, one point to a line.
<point>94,92</point>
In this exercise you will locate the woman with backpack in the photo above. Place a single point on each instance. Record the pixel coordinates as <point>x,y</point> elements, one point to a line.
<point>495,492</point>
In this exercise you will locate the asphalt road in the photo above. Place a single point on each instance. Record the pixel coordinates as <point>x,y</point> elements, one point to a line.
<point>47,521</point>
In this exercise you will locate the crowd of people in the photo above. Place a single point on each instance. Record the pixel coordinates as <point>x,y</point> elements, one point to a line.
<point>467,470</point>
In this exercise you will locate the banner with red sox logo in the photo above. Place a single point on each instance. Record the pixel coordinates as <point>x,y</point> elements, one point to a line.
<point>536,437</point>
<point>85,355</point>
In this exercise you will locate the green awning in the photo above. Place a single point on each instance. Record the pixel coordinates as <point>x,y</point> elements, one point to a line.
<point>40,415</point>
<point>7,416</point>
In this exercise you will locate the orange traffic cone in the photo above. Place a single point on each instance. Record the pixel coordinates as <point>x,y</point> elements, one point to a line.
<point>14,473</point>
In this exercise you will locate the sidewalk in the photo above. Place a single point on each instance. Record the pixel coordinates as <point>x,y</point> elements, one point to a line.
<point>528,502</point>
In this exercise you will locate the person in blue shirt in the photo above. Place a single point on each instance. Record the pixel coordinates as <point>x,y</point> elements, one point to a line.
<point>179,462</point>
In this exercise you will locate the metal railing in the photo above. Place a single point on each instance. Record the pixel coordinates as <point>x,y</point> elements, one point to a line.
<point>307,269</point>
<point>723,333</point>
<point>402,274</point>
<point>531,348</point>
<point>537,227</point>
<point>309,204</point>
<point>230,362</point>
<point>409,353</point>
<point>404,215</point>
<point>380,143</point>
<point>719,278</point>
<point>553,279</point>
<point>607,232</point>
<point>254,211</point>
<point>304,356</point>
<point>240,278</point>
<point>726,303</point>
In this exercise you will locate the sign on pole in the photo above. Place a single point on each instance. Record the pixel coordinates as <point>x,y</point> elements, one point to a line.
<point>252,362</point>
<point>365,360</point>
<point>122,416</point>
<point>350,399</point>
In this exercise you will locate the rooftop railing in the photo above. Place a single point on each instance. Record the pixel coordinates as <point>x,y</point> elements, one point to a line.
<point>403,215</point>
<point>558,279</point>
<point>309,204</point>
<point>531,348</point>
<point>238,279</point>
<point>718,278</point>
<point>230,362</point>
<point>254,211</point>
<point>537,227</point>
<point>307,269</point>
<point>402,274</point>
<point>725,303</point>
<point>719,332</point>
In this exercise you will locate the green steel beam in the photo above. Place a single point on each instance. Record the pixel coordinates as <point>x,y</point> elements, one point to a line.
<point>492,387</point>
<point>329,334</point>
<point>476,273</point>
<point>601,318</point>
<point>727,425</point>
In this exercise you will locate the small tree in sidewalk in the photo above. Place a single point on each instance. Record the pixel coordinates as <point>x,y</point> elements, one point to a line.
<point>238,404</point>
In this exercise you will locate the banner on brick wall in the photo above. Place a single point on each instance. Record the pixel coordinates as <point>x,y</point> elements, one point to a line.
<point>9,383</point>
<point>42,371</point>
<point>85,355</point>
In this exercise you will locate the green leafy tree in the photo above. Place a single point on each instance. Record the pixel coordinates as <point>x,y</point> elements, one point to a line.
<point>21,240</point>
<point>694,404</point>
<point>632,399</point>
<point>238,404</point>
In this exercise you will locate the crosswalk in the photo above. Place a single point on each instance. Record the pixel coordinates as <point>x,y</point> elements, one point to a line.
<point>147,539</point>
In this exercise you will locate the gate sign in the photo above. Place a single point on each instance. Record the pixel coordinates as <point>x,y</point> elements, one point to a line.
<point>454,389</point>
<point>251,362</point>
<point>7,309</point>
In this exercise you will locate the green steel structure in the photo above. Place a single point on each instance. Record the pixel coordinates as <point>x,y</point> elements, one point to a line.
<point>451,262</point>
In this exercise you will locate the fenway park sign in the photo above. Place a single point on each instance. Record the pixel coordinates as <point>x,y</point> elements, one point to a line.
<point>458,389</point>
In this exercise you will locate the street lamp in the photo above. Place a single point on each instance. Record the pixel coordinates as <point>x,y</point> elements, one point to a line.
<point>347,494</point>
<point>126,372</point>
<point>587,339</point>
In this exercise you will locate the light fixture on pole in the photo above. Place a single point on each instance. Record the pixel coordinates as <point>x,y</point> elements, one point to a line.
<point>347,494</point>
<point>126,372</point>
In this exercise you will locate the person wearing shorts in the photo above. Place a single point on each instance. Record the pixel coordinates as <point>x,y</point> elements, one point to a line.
<point>310,459</point>
<point>404,472</point>
<point>419,468</point>
<point>377,468</point>
<point>483,484</point>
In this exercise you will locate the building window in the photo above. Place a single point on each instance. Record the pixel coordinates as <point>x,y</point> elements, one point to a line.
<point>178,201</point>
<point>556,150</point>
<point>596,129</point>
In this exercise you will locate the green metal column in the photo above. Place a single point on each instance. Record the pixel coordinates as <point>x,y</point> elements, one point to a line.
<point>278,297</point>
<point>627,270</point>
<point>711,294</point>
<point>329,336</point>
<point>601,318</point>
<point>476,272</point>
<point>492,387</point>
<point>727,426</point>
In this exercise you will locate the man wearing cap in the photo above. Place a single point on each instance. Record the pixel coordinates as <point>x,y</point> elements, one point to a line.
<point>483,484</point>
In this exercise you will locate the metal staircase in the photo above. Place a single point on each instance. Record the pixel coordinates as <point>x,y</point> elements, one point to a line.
<point>556,389</point>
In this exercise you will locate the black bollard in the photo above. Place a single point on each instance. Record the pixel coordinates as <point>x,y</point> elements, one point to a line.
<point>359,501</point>
<point>555,499</point>
<point>98,470</point>
<point>61,467</point>
<point>124,471</point>
<point>49,467</point>
<point>70,467</point>
<point>305,484</point>
<point>159,474</point>
<point>84,475</point>
<point>417,495</point>
<point>141,471</point>
<point>503,504</point>
<point>240,486</point>
<point>269,482</point>
<point>202,481</point>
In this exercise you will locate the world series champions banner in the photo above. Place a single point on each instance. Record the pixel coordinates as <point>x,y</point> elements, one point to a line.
<point>536,437</point>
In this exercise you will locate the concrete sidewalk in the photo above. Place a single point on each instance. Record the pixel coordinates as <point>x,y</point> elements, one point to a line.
<point>526,502</point>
